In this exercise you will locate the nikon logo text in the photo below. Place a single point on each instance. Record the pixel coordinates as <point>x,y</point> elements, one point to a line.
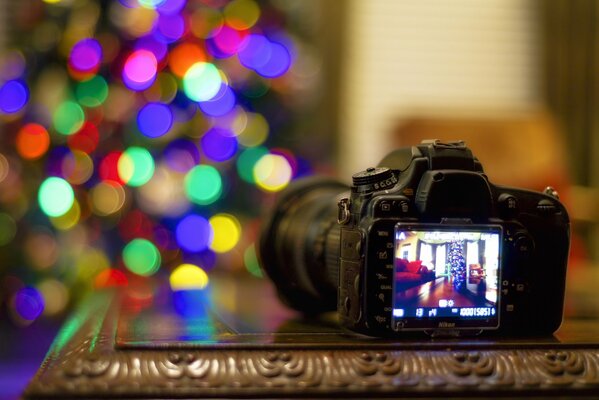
<point>446,324</point>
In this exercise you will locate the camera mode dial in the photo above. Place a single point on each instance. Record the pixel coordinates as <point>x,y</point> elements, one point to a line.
<point>373,179</point>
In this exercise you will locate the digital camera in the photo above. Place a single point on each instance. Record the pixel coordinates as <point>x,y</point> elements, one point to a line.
<point>422,242</point>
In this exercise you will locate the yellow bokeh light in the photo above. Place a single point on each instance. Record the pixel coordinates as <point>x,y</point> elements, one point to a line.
<point>227,231</point>
<point>107,198</point>
<point>242,14</point>
<point>272,172</point>
<point>254,132</point>
<point>188,277</point>
<point>69,219</point>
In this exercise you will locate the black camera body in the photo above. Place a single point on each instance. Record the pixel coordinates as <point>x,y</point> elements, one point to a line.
<point>423,242</point>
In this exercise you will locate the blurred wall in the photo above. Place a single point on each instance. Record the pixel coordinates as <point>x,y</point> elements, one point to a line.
<point>432,57</point>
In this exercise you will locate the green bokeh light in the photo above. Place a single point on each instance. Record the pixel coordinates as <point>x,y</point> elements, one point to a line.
<point>8,229</point>
<point>246,161</point>
<point>203,184</point>
<point>141,257</point>
<point>68,118</point>
<point>201,81</point>
<point>55,196</point>
<point>136,166</point>
<point>251,261</point>
<point>92,93</point>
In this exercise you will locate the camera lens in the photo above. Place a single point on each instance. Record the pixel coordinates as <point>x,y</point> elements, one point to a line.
<point>299,244</point>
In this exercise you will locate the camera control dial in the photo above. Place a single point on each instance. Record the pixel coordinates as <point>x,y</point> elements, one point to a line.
<point>372,179</point>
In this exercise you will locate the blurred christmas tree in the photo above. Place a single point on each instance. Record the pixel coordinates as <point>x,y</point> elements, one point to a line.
<point>457,265</point>
<point>139,139</point>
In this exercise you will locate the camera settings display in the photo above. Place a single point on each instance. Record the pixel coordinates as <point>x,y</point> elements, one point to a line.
<point>446,276</point>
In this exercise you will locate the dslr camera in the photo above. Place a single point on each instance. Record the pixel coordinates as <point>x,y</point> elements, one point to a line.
<point>423,242</point>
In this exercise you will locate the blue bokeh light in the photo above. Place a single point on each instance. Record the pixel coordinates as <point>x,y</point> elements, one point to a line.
<point>154,119</point>
<point>194,233</point>
<point>28,303</point>
<point>278,63</point>
<point>14,95</point>
<point>255,51</point>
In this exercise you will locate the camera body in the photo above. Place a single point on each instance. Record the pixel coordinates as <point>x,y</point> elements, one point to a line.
<point>428,244</point>
<point>421,243</point>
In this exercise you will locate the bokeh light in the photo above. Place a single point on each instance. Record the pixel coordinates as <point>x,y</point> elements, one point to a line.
<point>55,196</point>
<point>241,14</point>
<point>85,139</point>
<point>181,155</point>
<point>272,172</point>
<point>110,278</point>
<point>14,95</point>
<point>28,303</point>
<point>107,198</point>
<point>109,167</point>
<point>154,120</point>
<point>250,260</point>
<point>255,131</point>
<point>218,145</point>
<point>170,28</point>
<point>86,56</point>
<point>278,63</point>
<point>202,81</point>
<point>140,70</point>
<point>56,296</point>
<point>68,118</point>
<point>194,233</point>
<point>141,257</point>
<point>227,231</point>
<point>8,229</point>
<point>227,41</point>
<point>203,184</point>
<point>188,277</point>
<point>68,220</point>
<point>247,160</point>
<point>221,104</point>
<point>254,52</point>
<point>144,128</point>
<point>77,167</point>
<point>205,22</point>
<point>32,141</point>
<point>92,92</point>
<point>136,166</point>
<point>182,57</point>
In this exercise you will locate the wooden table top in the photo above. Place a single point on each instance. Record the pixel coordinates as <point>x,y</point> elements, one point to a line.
<point>237,340</point>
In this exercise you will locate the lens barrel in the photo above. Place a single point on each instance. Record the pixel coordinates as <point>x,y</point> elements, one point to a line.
<point>299,244</point>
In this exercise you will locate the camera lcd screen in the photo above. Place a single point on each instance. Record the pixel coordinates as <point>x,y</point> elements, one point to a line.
<point>446,276</point>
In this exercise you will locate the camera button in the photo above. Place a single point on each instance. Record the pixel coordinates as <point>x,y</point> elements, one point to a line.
<point>524,245</point>
<point>546,207</point>
<point>508,205</point>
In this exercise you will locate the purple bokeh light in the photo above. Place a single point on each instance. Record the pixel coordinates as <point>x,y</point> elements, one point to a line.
<point>181,155</point>
<point>86,55</point>
<point>218,144</point>
<point>221,104</point>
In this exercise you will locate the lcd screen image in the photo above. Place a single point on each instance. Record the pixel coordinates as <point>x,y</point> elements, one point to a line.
<point>446,275</point>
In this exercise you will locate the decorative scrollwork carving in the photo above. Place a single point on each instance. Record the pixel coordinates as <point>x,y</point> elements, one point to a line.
<point>89,364</point>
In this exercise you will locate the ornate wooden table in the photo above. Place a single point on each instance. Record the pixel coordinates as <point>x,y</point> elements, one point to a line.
<point>238,341</point>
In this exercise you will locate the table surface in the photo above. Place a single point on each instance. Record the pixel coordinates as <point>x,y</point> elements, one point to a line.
<point>235,339</point>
